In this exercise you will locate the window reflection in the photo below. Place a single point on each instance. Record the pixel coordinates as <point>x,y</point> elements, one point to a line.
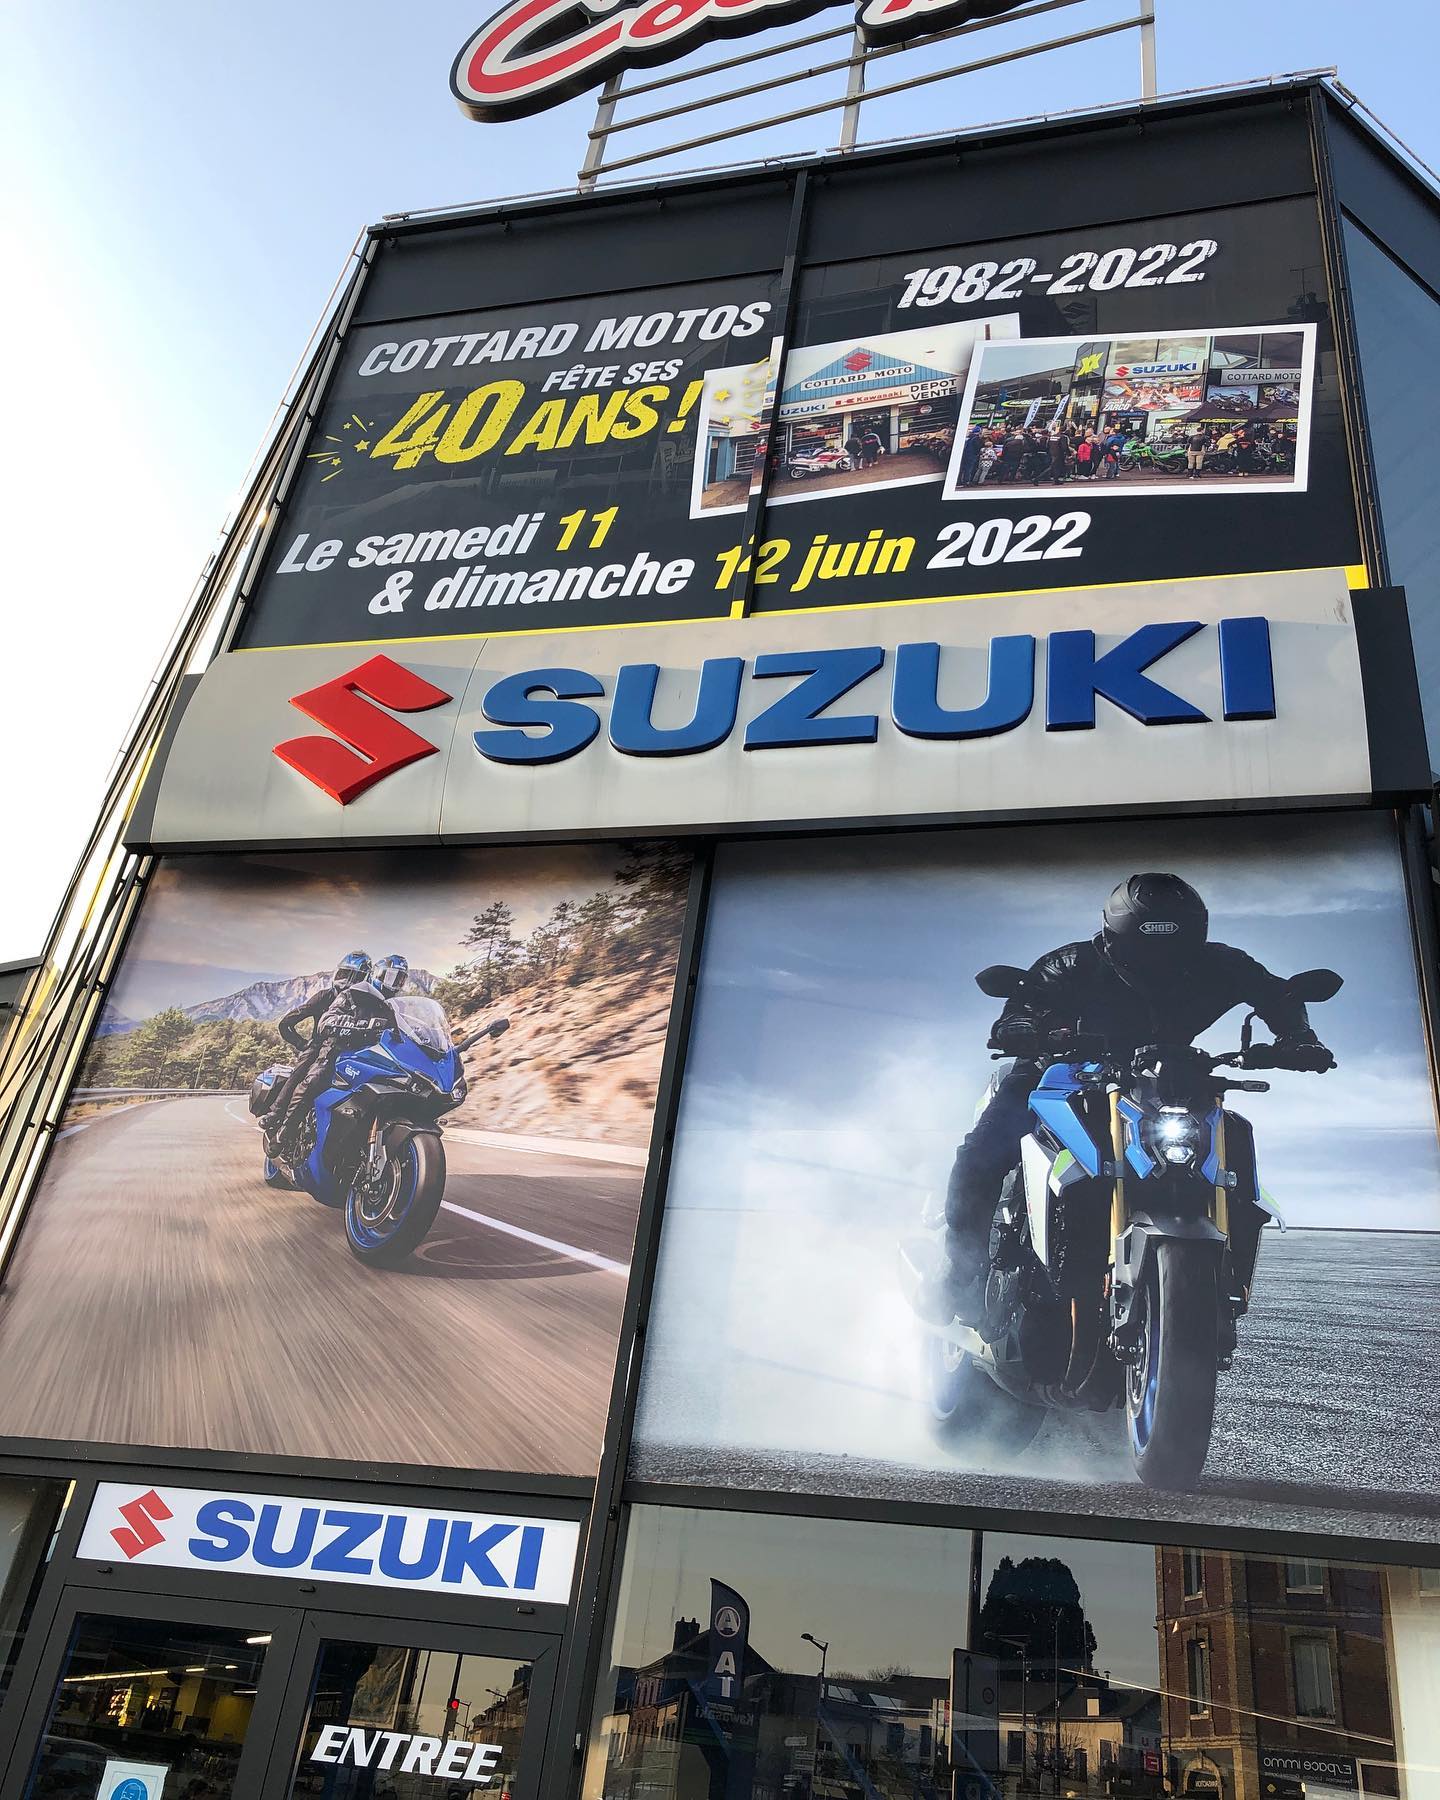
<point>391,1722</point>
<point>768,1658</point>
<point>29,1517</point>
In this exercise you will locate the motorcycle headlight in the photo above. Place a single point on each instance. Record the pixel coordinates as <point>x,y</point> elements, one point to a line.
<point>459,1091</point>
<point>1172,1135</point>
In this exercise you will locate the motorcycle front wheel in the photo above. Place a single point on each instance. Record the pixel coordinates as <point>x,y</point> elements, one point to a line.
<point>383,1227</point>
<point>1170,1387</point>
<point>966,1407</point>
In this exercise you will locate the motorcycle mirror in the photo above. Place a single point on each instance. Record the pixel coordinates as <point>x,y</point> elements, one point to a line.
<point>497,1028</point>
<point>1315,984</point>
<point>1000,981</point>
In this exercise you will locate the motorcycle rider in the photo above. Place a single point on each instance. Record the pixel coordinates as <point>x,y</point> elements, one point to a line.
<point>350,1011</point>
<point>391,974</point>
<point>1151,975</point>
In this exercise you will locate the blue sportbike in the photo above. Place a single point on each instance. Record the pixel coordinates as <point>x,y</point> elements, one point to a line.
<point>1122,1254</point>
<point>371,1142</point>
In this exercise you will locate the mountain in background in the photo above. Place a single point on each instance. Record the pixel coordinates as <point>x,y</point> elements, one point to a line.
<point>113,1021</point>
<point>268,1000</point>
<point>261,1000</point>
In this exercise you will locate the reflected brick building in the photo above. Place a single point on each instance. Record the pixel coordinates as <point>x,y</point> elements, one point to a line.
<point>1273,1673</point>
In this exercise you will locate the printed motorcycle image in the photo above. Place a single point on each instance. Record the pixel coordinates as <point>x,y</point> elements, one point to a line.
<point>1122,1249</point>
<point>371,1142</point>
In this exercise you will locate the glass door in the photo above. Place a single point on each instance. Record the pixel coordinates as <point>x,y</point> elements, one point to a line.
<point>384,1710</point>
<point>163,1699</point>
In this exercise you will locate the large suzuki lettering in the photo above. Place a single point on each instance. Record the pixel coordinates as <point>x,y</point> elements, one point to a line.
<point>390,1546</point>
<point>550,702</point>
<point>533,54</point>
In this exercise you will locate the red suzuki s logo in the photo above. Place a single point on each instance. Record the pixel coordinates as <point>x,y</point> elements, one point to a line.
<point>371,745</point>
<point>140,1531</point>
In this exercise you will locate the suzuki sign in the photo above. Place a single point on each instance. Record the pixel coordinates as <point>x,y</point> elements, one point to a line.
<point>1245,691</point>
<point>479,1554</point>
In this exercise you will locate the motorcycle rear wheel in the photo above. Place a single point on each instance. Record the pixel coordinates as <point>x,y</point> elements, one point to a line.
<point>1170,1389</point>
<point>382,1230</point>
<point>275,1176</point>
<point>966,1407</point>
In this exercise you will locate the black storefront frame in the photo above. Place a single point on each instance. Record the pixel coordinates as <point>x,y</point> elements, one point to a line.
<point>118,1588</point>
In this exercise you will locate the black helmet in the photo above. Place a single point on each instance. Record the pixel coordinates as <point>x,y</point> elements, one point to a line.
<point>1153,926</point>
<point>351,969</point>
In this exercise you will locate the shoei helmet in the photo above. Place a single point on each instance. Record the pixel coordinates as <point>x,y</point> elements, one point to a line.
<point>391,974</point>
<point>351,969</point>
<point>1153,926</point>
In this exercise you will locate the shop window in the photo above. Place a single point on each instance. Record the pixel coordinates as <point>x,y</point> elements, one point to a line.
<point>1428,1581</point>
<point>172,1699</point>
<point>1314,1669</point>
<point>29,1516</point>
<point>1192,1565</point>
<point>1197,1676</point>
<point>711,1684</point>
<point>1304,1576</point>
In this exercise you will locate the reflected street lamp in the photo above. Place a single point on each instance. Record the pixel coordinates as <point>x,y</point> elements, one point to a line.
<point>824,1649</point>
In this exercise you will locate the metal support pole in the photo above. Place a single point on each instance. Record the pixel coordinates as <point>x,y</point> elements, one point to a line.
<point>854,92</point>
<point>1149,86</point>
<point>599,132</point>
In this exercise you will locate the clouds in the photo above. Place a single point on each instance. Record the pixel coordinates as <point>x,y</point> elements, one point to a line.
<point>212,924</point>
<point>839,1045</point>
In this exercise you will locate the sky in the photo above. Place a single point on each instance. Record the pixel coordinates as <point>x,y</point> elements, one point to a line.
<point>877,1594</point>
<point>183,184</point>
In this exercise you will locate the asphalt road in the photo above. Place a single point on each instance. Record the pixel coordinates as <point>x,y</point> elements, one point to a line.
<point>1328,1420</point>
<point>162,1294</point>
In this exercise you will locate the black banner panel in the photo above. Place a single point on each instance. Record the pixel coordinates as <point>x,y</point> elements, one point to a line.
<point>1148,399</point>
<point>1114,405</point>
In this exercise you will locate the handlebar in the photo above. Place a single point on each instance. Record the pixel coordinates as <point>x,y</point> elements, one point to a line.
<point>1065,1045</point>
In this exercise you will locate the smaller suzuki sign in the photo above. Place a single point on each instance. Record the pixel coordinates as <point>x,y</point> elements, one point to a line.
<point>480,1554</point>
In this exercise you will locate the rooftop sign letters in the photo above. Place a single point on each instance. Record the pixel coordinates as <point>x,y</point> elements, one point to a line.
<point>532,54</point>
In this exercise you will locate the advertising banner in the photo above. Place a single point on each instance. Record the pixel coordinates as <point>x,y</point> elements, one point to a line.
<point>1238,692</point>
<point>1105,1302</point>
<point>518,469</point>
<point>945,421</point>
<point>422,1255</point>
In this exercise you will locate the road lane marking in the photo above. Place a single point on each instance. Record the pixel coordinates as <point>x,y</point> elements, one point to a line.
<point>114,1112</point>
<point>575,1254</point>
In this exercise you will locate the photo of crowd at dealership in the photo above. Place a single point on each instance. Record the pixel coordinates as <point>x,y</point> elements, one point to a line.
<point>1160,413</point>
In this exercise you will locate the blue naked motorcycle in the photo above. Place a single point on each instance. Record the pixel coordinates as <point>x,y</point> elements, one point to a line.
<point>1122,1250</point>
<point>371,1142</point>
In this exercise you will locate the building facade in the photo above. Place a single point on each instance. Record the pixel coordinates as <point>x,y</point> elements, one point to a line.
<point>479,1321</point>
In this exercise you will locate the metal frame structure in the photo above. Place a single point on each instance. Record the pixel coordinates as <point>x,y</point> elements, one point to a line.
<point>854,65</point>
